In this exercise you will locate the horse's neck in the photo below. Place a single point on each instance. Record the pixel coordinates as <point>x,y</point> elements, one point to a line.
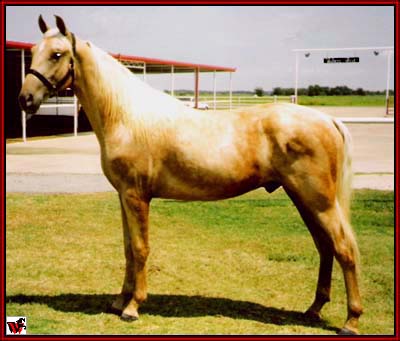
<point>115,100</point>
<point>95,76</point>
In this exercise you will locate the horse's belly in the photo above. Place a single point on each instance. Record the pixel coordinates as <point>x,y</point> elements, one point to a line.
<point>184,192</point>
<point>202,184</point>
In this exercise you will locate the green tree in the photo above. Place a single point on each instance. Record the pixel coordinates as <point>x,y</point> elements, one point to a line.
<point>259,91</point>
<point>314,90</point>
<point>360,92</point>
<point>277,91</point>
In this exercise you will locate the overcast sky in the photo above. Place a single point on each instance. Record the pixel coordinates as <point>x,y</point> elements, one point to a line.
<point>257,40</point>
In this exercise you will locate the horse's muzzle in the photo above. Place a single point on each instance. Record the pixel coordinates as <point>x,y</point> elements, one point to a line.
<point>28,102</point>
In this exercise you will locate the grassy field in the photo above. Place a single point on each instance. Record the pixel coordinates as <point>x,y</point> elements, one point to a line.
<point>344,101</point>
<point>241,266</point>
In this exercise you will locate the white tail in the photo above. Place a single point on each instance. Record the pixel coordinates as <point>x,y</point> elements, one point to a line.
<point>344,186</point>
<point>345,174</point>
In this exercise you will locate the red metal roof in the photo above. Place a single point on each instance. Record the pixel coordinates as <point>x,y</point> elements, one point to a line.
<point>18,45</point>
<point>153,65</point>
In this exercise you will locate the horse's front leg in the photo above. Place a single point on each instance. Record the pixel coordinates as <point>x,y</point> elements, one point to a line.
<point>136,212</point>
<point>127,289</point>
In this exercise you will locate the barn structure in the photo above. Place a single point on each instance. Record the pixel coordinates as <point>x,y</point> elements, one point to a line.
<point>61,114</point>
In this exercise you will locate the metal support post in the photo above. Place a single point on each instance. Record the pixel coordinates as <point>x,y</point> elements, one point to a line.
<point>172,81</point>
<point>196,88</point>
<point>215,91</point>
<point>296,81</point>
<point>388,81</point>
<point>75,116</point>
<point>23,113</point>
<point>230,90</point>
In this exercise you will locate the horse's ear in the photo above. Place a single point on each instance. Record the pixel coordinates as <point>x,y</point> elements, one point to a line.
<point>61,26</point>
<point>42,25</point>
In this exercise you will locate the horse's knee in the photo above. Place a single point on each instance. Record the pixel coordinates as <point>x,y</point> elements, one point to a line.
<point>346,256</point>
<point>140,255</point>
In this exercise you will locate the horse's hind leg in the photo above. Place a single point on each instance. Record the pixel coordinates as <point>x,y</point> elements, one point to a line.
<point>332,233</point>
<point>346,252</point>
<point>323,291</point>
<point>326,255</point>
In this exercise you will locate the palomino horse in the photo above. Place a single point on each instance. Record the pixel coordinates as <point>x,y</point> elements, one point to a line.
<point>153,146</point>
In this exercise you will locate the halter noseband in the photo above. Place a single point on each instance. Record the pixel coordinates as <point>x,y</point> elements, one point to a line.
<point>54,88</point>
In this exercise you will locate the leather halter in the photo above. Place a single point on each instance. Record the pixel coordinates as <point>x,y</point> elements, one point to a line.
<point>54,88</point>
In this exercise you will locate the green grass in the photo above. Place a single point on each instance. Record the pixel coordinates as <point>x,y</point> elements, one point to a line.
<point>241,266</point>
<point>344,101</point>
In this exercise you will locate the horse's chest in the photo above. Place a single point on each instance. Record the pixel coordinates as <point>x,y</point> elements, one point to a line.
<point>126,171</point>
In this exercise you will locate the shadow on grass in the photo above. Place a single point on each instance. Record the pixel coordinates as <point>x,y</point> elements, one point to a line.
<point>174,306</point>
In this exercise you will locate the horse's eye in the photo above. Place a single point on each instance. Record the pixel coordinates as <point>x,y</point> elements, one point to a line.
<point>56,55</point>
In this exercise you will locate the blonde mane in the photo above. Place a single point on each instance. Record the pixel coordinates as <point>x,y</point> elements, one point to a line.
<point>129,100</point>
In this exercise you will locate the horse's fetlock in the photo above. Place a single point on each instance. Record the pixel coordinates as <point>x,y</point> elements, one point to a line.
<point>323,297</point>
<point>355,310</point>
<point>120,302</point>
<point>140,296</point>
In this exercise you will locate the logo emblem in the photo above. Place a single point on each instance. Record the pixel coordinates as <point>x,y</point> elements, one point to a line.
<point>16,325</point>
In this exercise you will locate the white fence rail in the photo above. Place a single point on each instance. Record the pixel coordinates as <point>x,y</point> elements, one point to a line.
<point>223,102</point>
<point>67,105</point>
<point>63,106</point>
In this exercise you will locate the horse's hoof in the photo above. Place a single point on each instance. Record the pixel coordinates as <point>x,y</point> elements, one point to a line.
<point>345,331</point>
<point>312,315</point>
<point>114,311</point>
<point>128,318</point>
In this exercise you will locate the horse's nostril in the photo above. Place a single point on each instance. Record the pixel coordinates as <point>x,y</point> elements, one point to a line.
<point>26,100</point>
<point>29,100</point>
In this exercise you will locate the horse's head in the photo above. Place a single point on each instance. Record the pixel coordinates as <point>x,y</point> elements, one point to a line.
<point>52,67</point>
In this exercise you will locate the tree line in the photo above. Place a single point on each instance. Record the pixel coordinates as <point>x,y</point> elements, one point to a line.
<point>312,90</point>
<point>317,90</point>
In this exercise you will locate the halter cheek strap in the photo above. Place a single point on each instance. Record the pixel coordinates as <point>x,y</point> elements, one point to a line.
<point>54,88</point>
